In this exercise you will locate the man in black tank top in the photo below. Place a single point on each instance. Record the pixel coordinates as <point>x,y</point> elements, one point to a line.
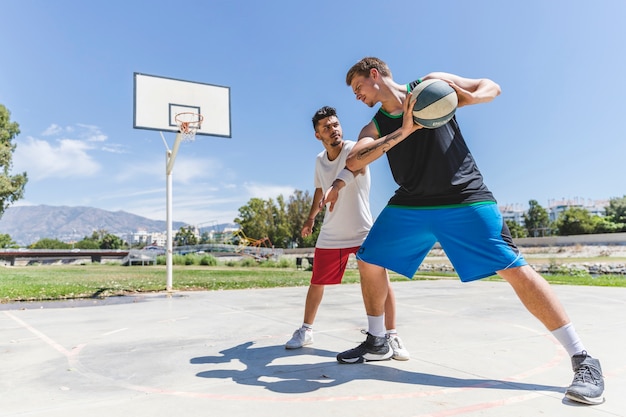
<point>442,197</point>
<point>434,168</point>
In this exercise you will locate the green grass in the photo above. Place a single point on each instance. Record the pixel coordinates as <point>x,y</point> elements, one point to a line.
<point>57,282</point>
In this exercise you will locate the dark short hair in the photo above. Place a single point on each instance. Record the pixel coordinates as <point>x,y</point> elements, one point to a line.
<point>323,113</point>
<point>364,66</point>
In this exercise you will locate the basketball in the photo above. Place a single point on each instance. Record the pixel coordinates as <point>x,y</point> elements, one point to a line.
<point>435,103</point>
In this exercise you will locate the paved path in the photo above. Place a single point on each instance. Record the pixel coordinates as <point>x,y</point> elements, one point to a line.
<point>475,352</point>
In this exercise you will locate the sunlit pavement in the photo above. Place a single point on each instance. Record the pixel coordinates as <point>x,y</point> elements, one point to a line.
<point>475,352</point>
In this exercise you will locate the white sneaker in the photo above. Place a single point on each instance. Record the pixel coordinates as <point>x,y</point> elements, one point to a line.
<point>301,337</point>
<point>399,351</point>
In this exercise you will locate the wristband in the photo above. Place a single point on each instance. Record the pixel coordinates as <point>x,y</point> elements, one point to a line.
<point>346,176</point>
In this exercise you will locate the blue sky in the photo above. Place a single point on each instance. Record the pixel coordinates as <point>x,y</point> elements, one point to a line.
<point>66,75</point>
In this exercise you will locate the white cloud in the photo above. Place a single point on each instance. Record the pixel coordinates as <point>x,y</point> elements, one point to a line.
<point>189,205</point>
<point>67,158</point>
<point>265,191</point>
<point>114,148</point>
<point>24,203</point>
<point>53,130</point>
<point>142,168</point>
<point>91,133</point>
<point>187,170</point>
<point>56,130</point>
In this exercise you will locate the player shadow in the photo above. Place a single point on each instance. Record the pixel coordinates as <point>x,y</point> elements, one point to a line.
<point>263,367</point>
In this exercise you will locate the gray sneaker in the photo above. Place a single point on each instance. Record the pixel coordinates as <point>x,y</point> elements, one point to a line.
<point>588,384</point>
<point>301,337</point>
<point>373,349</point>
<point>399,351</point>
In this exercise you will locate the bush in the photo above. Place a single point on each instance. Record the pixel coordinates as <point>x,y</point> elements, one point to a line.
<point>178,260</point>
<point>248,262</point>
<point>208,260</point>
<point>286,263</point>
<point>282,263</point>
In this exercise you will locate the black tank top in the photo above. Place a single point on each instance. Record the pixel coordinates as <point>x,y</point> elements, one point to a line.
<point>433,167</point>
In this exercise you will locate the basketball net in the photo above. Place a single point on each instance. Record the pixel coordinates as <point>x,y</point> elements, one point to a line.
<point>188,125</point>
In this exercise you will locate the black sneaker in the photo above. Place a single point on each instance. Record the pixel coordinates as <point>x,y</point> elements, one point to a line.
<point>373,349</point>
<point>588,384</point>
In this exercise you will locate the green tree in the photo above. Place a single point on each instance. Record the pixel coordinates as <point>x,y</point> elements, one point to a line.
<point>537,220</point>
<point>616,213</point>
<point>281,233</point>
<point>280,221</point>
<point>517,230</point>
<point>47,243</point>
<point>205,237</point>
<point>185,236</point>
<point>605,225</point>
<point>110,241</point>
<point>6,242</point>
<point>87,243</point>
<point>298,207</point>
<point>255,218</point>
<point>576,221</point>
<point>11,186</point>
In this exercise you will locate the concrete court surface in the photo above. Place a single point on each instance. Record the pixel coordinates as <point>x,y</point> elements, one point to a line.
<point>475,352</point>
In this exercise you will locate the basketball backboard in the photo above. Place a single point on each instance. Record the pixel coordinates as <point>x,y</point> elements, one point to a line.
<point>157,101</point>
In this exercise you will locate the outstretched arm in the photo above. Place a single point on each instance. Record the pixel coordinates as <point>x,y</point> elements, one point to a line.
<point>469,90</point>
<point>370,146</point>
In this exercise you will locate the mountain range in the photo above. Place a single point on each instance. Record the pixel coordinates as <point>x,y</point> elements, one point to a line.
<point>29,224</point>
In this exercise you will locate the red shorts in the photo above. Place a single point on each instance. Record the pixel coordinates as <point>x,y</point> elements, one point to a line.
<point>330,264</point>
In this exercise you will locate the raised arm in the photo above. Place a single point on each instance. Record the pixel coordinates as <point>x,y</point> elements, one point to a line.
<point>370,146</point>
<point>469,90</point>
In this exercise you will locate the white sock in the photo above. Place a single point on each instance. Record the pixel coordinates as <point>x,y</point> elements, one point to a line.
<point>307,326</point>
<point>376,325</point>
<point>392,332</point>
<point>568,337</point>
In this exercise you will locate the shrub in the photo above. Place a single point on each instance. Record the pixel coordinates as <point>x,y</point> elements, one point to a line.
<point>208,260</point>
<point>178,260</point>
<point>248,262</point>
<point>281,263</point>
<point>286,263</point>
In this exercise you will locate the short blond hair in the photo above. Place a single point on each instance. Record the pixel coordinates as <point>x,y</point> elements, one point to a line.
<point>364,66</point>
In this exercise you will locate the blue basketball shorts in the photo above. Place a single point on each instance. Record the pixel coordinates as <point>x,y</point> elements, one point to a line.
<point>474,237</point>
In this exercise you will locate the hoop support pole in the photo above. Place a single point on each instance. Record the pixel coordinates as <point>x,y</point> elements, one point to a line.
<point>168,221</point>
<point>172,157</point>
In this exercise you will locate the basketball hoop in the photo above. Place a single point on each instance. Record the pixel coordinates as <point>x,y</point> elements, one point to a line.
<point>188,125</point>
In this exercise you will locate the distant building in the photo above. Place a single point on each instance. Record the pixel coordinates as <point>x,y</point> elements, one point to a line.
<point>147,238</point>
<point>594,207</point>
<point>515,212</point>
<point>224,235</point>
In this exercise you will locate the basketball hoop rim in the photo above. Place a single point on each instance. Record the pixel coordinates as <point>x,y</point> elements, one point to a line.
<point>197,123</point>
<point>188,128</point>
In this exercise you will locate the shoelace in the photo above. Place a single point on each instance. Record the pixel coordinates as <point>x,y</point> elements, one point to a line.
<point>396,340</point>
<point>587,374</point>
